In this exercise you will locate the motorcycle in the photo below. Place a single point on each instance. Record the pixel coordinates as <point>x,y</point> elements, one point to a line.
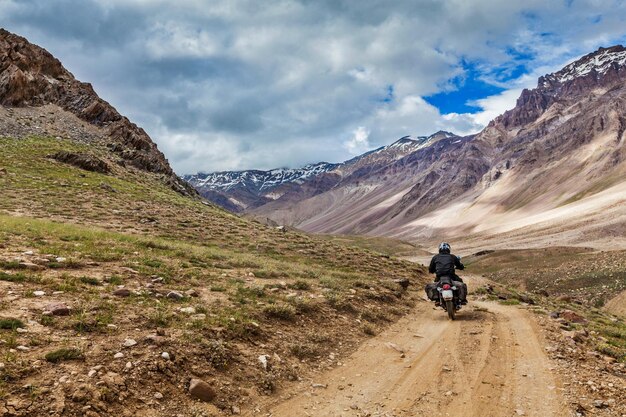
<point>448,296</point>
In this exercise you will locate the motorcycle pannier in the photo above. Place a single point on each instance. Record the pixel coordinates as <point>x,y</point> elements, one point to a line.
<point>431,291</point>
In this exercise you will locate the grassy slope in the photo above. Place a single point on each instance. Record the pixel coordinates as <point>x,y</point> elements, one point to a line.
<point>261,291</point>
<point>577,272</point>
<point>387,246</point>
<point>577,279</point>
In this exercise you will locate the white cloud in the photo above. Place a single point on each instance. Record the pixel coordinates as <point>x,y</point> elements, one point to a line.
<point>171,40</point>
<point>359,142</point>
<point>490,108</point>
<point>239,84</point>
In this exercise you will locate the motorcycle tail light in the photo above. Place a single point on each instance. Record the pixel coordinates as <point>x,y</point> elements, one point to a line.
<point>446,286</point>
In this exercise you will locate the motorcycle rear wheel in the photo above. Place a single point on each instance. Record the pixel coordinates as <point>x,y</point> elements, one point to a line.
<point>450,309</point>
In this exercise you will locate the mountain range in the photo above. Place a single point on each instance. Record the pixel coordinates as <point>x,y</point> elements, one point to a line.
<point>552,164</point>
<point>241,191</point>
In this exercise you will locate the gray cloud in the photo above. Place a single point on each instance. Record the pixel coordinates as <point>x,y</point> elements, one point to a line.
<point>234,84</point>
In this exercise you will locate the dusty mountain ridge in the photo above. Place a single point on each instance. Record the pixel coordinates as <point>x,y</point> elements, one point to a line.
<point>555,161</point>
<point>31,77</point>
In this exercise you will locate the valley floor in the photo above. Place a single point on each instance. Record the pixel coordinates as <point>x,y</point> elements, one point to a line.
<point>494,360</point>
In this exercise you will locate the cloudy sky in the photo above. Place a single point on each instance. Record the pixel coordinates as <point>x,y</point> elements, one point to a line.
<point>239,84</point>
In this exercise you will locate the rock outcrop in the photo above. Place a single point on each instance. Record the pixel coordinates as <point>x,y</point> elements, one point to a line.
<point>82,161</point>
<point>606,66</point>
<point>31,76</point>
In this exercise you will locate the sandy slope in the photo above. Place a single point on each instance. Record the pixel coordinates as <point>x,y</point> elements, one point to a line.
<point>597,221</point>
<point>490,362</point>
<point>617,305</point>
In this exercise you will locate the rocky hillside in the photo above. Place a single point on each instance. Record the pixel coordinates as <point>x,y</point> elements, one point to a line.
<point>606,66</point>
<point>554,166</point>
<point>31,77</point>
<point>121,296</point>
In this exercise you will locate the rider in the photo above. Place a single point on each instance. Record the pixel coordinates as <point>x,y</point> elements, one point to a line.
<point>444,264</point>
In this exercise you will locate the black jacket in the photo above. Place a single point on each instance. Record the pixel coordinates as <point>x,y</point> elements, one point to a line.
<point>444,264</point>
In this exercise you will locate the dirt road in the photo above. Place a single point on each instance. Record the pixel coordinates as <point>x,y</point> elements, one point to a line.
<point>489,362</point>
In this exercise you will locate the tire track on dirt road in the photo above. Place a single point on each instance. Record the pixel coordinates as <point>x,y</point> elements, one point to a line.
<point>488,363</point>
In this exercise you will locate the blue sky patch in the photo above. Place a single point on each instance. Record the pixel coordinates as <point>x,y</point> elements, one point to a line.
<point>388,98</point>
<point>467,89</point>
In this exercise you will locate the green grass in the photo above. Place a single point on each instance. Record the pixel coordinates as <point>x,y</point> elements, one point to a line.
<point>612,351</point>
<point>88,243</point>
<point>280,311</point>
<point>15,277</point>
<point>300,285</point>
<point>589,276</point>
<point>65,354</point>
<point>89,281</point>
<point>11,265</point>
<point>63,211</point>
<point>10,323</point>
<point>159,317</point>
<point>614,334</point>
<point>369,330</point>
<point>379,245</point>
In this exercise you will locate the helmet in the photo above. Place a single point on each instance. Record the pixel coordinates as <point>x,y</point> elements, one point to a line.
<point>444,247</point>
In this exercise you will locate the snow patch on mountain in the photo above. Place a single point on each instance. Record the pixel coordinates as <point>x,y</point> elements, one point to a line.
<point>265,182</point>
<point>600,62</point>
<point>273,196</point>
<point>255,179</point>
<point>410,144</point>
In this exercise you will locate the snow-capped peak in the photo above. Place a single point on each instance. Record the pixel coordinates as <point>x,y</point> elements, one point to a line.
<point>406,142</point>
<point>265,181</point>
<point>600,62</point>
<point>255,179</point>
<point>413,143</point>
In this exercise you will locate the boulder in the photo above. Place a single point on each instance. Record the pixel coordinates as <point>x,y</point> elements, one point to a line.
<point>129,343</point>
<point>192,293</point>
<point>58,309</point>
<point>526,299</point>
<point>30,266</point>
<point>572,317</point>
<point>264,361</point>
<point>201,390</point>
<point>153,339</point>
<point>175,295</point>
<point>82,161</point>
<point>122,292</point>
<point>403,282</point>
